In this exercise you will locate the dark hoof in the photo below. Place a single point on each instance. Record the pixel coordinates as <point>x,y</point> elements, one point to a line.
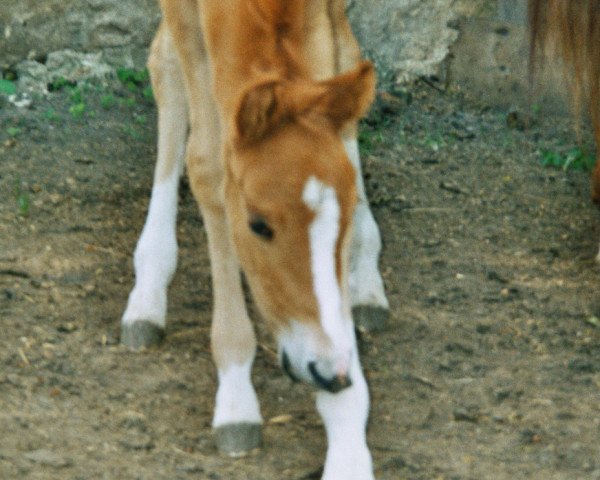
<point>368,318</point>
<point>238,439</point>
<point>141,334</point>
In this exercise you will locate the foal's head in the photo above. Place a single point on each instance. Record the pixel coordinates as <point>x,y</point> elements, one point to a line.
<point>290,196</point>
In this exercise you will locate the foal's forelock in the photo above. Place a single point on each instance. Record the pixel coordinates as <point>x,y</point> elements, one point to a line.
<point>324,236</point>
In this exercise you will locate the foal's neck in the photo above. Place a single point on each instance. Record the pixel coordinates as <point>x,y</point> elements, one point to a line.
<point>253,40</point>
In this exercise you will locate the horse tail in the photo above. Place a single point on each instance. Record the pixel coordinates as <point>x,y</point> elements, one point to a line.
<point>570,31</point>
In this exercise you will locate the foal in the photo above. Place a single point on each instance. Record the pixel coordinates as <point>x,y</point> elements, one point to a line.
<point>273,162</point>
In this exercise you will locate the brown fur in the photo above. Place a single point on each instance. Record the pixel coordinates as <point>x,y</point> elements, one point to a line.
<point>570,30</point>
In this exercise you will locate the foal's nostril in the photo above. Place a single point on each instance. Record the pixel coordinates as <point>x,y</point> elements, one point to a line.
<point>287,367</point>
<point>333,385</point>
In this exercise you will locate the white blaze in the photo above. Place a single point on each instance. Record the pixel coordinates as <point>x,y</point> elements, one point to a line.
<point>323,234</point>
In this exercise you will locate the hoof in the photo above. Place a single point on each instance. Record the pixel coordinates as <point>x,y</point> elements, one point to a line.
<point>141,333</point>
<point>238,439</point>
<point>368,318</point>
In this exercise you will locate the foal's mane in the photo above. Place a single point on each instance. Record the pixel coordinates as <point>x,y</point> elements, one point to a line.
<point>282,24</point>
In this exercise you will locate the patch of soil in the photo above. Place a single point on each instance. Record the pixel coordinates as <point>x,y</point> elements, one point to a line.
<point>489,367</point>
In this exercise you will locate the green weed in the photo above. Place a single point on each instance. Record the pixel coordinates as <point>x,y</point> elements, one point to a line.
<point>369,140</point>
<point>77,110</point>
<point>148,94</point>
<point>60,83</point>
<point>22,199</point>
<point>574,159</point>
<point>132,132</point>
<point>136,82</point>
<point>7,87</point>
<point>108,101</point>
<point>51,115</point>
<point>13,131</point>
<point>133,79</point>
<point>76,95</point>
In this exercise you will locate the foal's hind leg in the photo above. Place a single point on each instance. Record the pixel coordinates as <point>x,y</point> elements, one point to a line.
<point>370,307</point>
<point>155,256</point>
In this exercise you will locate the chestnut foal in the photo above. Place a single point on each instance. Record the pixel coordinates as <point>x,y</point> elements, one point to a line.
<point>252,99</point>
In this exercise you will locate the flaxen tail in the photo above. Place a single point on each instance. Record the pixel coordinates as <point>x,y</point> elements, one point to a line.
<point>570,30</point>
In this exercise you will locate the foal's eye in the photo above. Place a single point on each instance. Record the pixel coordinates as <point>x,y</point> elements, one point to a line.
<point>259,226</point>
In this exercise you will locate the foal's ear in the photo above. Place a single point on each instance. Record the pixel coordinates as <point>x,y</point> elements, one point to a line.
<point>261,109</point>
<point>272,102</point>
<point>349,95</point>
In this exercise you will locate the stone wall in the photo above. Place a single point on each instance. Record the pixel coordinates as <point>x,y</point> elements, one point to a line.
<point>479,44</point>
<point>32,29</point>
<point>410,38</point>
<point>406,38</point>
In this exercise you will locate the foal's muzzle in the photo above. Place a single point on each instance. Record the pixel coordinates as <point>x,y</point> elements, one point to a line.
<point>332,384</point>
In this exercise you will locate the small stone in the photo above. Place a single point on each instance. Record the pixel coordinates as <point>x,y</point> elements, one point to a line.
<point>452,187</point>
<point>483,328</point>
<point>459,347</point>
<point>518,120</point>
<point>580,365</point>
<point>68,327</point>
<point>281,419</point>
<point>531,437</point>
<point>496,277</point>
<point>134,421</point>
<point>137,442</point>
<point>14,380</point>
<point>466,414</point>
<point>47,458</point>
<point>22,100</point>
<point>190,468</point>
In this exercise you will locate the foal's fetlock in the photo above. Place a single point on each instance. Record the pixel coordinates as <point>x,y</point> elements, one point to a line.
<point>238,439</point>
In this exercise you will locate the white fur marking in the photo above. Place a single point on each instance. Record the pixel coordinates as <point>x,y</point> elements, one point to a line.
<point>236,399</point>
<point>345,417</point>
<point>155,256</point>
<point>344,413</point>
<point>323,236</point>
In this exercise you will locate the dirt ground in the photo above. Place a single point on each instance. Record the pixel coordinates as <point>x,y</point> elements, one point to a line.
<point>489,367</point>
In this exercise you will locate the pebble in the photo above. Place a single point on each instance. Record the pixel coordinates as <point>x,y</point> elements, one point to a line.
<point>14,380</point>
<point>452,187</point>
<point>22,100</point>
<point>483,328</point>
<point>134,421</point>
<point>47,458</point>
<point>518,120</point>
<point>68,327</point>
<point>580,365</point>
<point>190,468</point>
<point>466,414</point>
<point>137,442</point>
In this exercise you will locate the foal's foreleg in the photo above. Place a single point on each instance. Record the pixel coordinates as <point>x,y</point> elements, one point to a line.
<point>345,417</point>
<point>155,257</point>
<point>237,420</point>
